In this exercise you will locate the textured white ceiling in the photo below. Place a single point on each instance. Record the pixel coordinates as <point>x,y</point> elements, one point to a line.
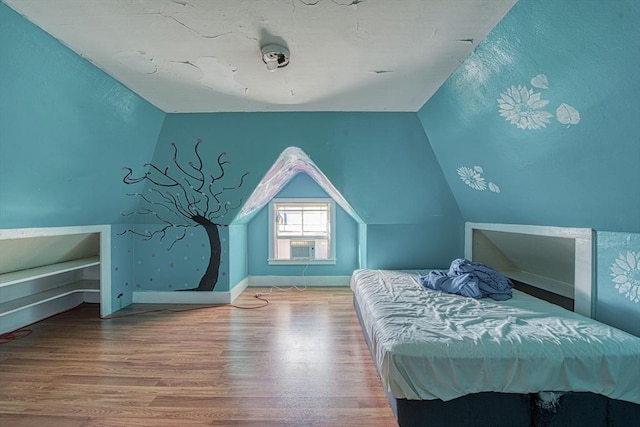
<point>204,55</point>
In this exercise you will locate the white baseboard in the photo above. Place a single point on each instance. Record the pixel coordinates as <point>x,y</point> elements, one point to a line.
<point>178,297</point>
<point>227,297</point>
<point>238,289</point>
<point>299,281</point>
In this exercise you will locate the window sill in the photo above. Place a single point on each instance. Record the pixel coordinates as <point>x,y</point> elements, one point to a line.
<point>301,261</point>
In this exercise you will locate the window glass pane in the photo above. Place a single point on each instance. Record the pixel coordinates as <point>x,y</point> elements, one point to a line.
<point>302,230</point>
<point>289,222</point>
<point>315,222</point>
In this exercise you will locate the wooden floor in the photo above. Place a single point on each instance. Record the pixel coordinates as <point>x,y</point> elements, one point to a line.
<point>299,361</point>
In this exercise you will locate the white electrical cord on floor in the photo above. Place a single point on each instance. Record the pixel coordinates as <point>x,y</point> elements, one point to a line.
<point>297,288</point>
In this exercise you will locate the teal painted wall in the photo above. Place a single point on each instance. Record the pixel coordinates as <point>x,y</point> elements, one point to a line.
<point>122,267</point>
<point>89,126</point>
<point>346,229</point>
<point>411,246</point>
<point>541,125</point>
<point>157,267</point>
<point>619,280</point>
<point>66,130</point>
<point>381,163</point>
<point>238,254</point>
<point>572,158</point>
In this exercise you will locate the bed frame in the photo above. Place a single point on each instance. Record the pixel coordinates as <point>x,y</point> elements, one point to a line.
<point>545,261</point>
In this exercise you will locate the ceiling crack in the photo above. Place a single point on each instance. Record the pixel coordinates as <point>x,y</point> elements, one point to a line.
<point>227,34</point>
<point>206,36</point>
<point>348,2</point>
<point>155,68</point>
<point>186,63</point>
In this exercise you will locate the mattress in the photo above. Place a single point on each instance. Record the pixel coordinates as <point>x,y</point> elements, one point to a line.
<point>432,345</point>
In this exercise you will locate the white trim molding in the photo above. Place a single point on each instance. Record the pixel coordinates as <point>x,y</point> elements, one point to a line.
<point>178,297</point>
<point>299,281</point>
<point>190,297</point>
<point>227,297</point>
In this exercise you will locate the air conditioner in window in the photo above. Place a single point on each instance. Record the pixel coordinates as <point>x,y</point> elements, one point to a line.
<point>302,249</point>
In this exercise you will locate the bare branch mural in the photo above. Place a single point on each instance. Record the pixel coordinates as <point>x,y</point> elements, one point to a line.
<point>183,195</point>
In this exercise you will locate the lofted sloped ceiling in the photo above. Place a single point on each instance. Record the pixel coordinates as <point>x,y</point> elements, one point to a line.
<point>205,55</point>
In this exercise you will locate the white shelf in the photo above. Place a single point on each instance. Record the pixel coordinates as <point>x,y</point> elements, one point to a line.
<point>21,276</point>
<point>46,271</point>
<point>50,295</point>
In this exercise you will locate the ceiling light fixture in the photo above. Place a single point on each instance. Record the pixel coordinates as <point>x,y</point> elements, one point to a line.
<point>275,56</point>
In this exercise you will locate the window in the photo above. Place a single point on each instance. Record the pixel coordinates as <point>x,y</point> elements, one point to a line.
<point>301,231</point>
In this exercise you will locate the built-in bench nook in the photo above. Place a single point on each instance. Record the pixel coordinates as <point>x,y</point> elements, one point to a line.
<point>45,271</point>
<point>554,259</point>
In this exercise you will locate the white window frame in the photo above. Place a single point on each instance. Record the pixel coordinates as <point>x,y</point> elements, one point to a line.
<point>332,232</point>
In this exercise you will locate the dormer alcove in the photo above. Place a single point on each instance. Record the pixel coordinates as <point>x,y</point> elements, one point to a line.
<point>291,162</point>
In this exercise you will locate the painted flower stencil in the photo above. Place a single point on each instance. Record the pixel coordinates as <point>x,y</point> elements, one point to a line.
<point>567,115</point>
<point>474,179</point>
<point>523,107</point>
<point>625,271</point>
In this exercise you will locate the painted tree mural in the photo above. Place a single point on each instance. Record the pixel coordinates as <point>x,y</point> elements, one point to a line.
<point>187,195</point>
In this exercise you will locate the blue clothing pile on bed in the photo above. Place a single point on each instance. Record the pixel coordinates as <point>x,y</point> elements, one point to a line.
<point>470,279</point>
